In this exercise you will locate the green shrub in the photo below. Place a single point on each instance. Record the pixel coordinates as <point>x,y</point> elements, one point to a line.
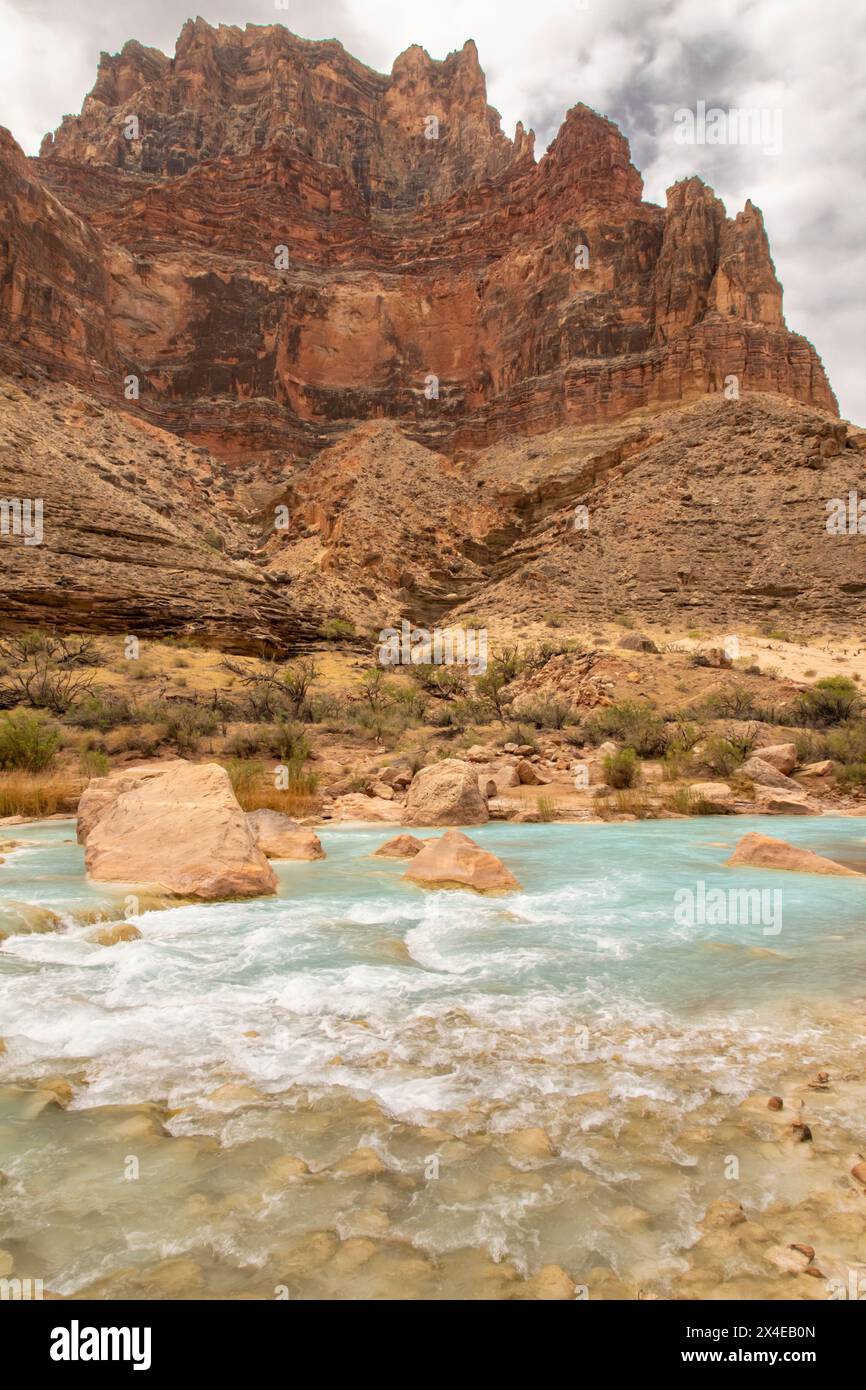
<point>622,769</point>
<point>683,736</point>
<point>93,763</point>
<point>101,711</point>
<point>722,756</point>
<point>811,748</point>
<point>829,701</point>
<point>549,714</point>
<point>546,807</point>
<point>522,737</point>
<point>636,725</point>
<point>847,744</point>
<point>185,725</point>
<point>244,775</point>
<point>281,739</point>
<point>333,629</point>
<point>732,702</point>
<point>677,763</point>
<point>27,743</point>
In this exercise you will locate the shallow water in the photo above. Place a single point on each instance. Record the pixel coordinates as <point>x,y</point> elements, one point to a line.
<point>430,1031</point>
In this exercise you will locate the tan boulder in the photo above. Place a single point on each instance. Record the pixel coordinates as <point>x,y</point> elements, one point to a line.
<point>822,768</point>
<point>400,847</point>
<point>776,801</point>
<point>279,837</point>
<point>763,852</point>
<point>766,774</point>
<point>455,861</point>
<point>397,775</point>
<point>382,789</point>
<point>478,753</point>
<point>782,756</point>
<point>18,917</point>
<point>530,775</point>
<point>113,933</point>
<point>714,796</point>
<point>175,826</point>
<point>356,806</point>
<point>445,793</point>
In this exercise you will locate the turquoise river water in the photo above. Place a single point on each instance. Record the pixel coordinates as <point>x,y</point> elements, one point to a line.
<point>361,1089</point>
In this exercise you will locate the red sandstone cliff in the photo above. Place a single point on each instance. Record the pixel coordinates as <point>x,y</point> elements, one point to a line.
<point>408,258</point>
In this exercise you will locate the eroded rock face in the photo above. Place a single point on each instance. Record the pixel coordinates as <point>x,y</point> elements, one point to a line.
<point>138,532</point>
<point>763,852</point>
<point>456,861</point>
<point>431,348</point>
<point>408,257</point>
<point>173,826</point>
<point>446,793</point>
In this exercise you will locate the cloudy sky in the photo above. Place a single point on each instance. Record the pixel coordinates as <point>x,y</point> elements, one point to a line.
<point>637,61</point>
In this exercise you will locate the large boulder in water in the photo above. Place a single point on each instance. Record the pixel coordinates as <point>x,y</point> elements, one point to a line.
<point>176,826</point>
<point>279,837</point>
<point>400,847</point>
<point>756,851</point>
<point>446,793</point>
<point>455,861</point>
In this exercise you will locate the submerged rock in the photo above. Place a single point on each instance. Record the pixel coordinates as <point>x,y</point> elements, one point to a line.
<point>529,1143</point>
<point>400,847</point>
<point>455,861</point>
<point>763,852</point>
<point>17,918</point>
<point>113,933</point>
<point>446,793</point>
<point>279,837</point>
<point>174,825</point>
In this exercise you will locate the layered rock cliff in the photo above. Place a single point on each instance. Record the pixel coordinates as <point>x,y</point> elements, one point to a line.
<point>260,275</point>
<point>279,241</point>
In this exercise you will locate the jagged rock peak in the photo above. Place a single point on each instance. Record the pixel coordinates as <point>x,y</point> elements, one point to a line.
<point>404,140</point>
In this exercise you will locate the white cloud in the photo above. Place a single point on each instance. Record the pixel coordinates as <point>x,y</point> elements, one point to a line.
<point>637,61</point>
